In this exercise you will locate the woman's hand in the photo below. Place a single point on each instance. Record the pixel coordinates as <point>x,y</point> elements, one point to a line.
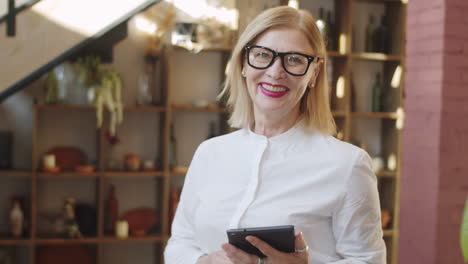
<point>218,257</point>
<point>273,256</point>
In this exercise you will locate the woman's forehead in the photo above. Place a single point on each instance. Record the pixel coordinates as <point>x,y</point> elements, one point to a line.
<point>285,39</point>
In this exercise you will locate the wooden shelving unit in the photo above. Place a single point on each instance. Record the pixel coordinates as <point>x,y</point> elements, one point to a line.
<point>33,239</point>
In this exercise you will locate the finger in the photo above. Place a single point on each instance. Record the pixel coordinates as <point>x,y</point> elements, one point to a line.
<point>266,249</point>
<point>300,242</point>
<point>236,255</point>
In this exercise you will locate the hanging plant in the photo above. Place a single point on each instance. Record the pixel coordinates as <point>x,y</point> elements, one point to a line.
<point>107,84</point>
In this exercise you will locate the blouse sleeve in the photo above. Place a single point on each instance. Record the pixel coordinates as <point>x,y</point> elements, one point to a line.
<point>182,247</point>
<point>356,221</point>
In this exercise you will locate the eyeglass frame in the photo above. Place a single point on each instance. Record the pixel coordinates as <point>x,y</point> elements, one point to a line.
<point>310,58</point>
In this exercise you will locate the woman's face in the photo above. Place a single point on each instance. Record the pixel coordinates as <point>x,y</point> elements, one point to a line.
<point>273,90</point>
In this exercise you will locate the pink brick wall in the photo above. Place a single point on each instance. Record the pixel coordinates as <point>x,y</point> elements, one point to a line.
<point>420,160</point>
<point>454,134</point>
<point>434,183</point>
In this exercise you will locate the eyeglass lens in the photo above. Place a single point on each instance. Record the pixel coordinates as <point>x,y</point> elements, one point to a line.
<point>262,58</point>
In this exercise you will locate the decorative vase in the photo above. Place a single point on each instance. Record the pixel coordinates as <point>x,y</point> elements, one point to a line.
<point>16,219</point>
<point>112,210</point>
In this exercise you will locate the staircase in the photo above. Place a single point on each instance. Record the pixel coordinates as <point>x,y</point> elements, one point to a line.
<point>49,32</point>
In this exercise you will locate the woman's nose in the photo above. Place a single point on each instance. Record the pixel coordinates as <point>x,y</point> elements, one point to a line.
<point>276,70</point>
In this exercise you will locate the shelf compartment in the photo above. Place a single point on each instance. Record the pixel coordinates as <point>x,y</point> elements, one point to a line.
<point>336,72</point>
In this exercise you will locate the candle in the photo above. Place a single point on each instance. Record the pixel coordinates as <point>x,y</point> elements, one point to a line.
<point>49,161</point>
<point>392,162</point>
<point>121,230</point>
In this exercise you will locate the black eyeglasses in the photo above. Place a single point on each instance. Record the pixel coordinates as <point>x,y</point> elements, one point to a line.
<point>294,63</point>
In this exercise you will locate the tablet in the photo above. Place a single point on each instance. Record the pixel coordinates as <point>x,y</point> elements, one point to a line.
<point>279,237</point>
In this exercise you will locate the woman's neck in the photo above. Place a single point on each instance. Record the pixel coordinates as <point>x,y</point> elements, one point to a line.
<point>272,125</point>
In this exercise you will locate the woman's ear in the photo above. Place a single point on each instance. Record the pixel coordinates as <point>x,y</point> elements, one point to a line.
<point>316,72</point>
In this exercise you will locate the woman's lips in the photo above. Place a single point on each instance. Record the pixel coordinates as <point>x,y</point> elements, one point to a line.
<point>274,91</point>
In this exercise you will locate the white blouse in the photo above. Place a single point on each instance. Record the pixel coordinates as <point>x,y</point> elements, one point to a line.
<point>324,187</point>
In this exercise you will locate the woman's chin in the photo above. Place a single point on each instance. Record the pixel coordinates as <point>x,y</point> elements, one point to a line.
<point>267,108</point>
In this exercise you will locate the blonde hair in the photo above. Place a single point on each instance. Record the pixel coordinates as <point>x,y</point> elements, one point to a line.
<point>315,104</point>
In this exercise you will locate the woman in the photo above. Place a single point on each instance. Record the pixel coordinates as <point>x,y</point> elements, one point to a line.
<point>282,166</point>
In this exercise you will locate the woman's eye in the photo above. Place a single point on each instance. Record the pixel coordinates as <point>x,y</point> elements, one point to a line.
<point>262,55</point>
<point>295,60</point>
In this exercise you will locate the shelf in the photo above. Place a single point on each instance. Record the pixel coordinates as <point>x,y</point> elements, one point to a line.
<point>201,49</point>
<point>179,171</point>
<point>70,241</point>
<point>383,1</point>
<point>336,54</point>
<point>388,232</point>
<point>15,173</point>
<point>133,174</point>
<point>145,108</point>
<point>213,108</point>
<point>375,56</point>
<point>130,239</point>
<point>339,113</point>
<point>14,241</point>
<point>384,115</point>
<point>65,107</point>
<point>66,241</point>
<point>129,174</point>
<point>386,174</point>
<point>68,175</point>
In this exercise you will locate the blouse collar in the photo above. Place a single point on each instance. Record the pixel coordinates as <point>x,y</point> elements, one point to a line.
<point>288,136</point>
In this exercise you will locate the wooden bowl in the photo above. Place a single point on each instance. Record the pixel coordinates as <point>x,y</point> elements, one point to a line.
<point>55,169</point>
<point>141,220</point>
<point>68,158</point>
<point>84,169</point>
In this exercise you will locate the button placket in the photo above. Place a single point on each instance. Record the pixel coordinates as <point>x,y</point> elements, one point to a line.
<point>252,186</point>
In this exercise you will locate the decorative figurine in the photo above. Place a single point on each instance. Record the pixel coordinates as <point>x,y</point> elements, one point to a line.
<point>16,218</point>
<point>71,226</point>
